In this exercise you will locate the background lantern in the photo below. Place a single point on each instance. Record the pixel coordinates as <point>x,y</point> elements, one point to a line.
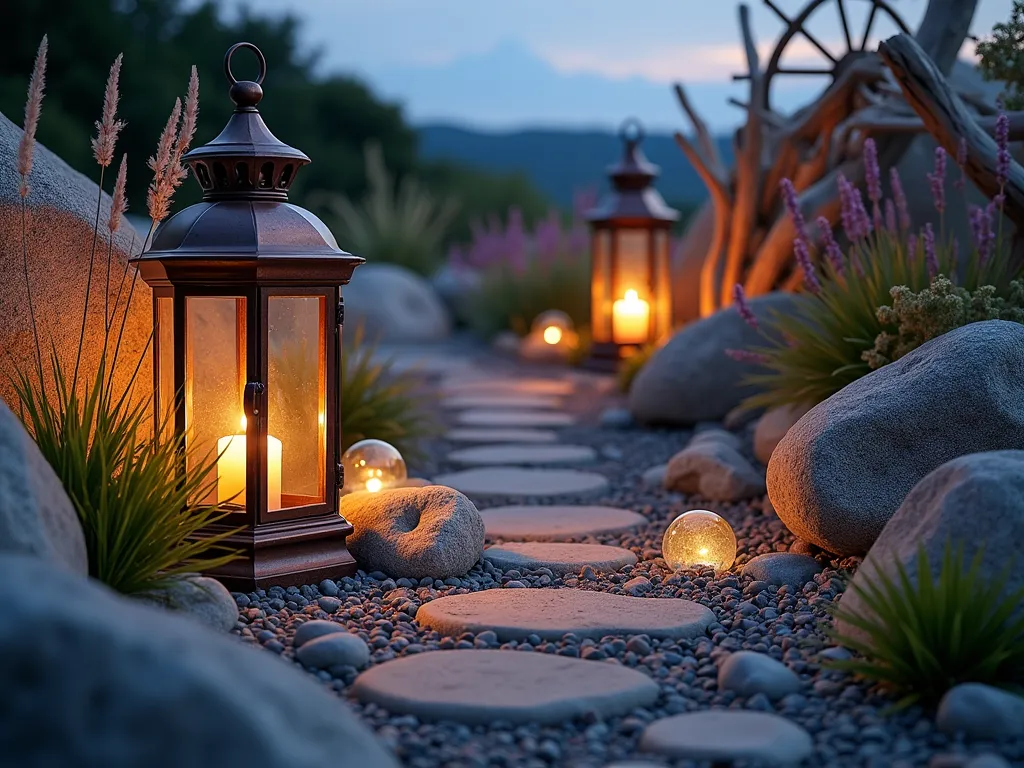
<point>248,312</point>
<point>631,300</point>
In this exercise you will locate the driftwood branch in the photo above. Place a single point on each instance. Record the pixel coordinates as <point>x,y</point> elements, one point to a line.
<point>948,119</point>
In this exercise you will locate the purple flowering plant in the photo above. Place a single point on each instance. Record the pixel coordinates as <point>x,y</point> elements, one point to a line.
<point>825,341</point>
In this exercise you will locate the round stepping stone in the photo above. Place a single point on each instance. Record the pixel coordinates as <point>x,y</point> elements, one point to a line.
<point>495,418</point>
<point>556,557</point>
<point>477,687</point>
<point>556,523</point>
<point>474,435</point>
<point>516,481</point>
<point>501,401</point>
<point>727,735</point>
<point>515,614</point>
<point>469,385</point>
<point>486,455</point>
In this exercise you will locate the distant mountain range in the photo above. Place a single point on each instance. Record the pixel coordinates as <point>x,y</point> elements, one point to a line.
<point>561,161</point>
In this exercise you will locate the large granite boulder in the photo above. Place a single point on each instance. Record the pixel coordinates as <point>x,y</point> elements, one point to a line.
<point>691,378</point>
<point>36,515</point>
<point>394,304</point>
<point>61,214</point>
<point>842,470</point>
<point>95,680</point>
<point>976,501</point>
<point>414,532</point>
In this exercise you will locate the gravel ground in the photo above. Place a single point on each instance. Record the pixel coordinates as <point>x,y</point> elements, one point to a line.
<point>846,718</point>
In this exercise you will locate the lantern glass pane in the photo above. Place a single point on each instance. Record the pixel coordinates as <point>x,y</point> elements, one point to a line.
<point>214,384</point>
<point>297,388</point>
<point>601,287</point>
<point>632,263</point>
<point>165,364</point>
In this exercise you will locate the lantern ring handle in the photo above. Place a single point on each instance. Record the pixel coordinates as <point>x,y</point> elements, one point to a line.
<point>631,131</point>
<point>259,55</point>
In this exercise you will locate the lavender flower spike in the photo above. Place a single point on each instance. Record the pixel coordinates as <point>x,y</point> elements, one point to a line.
<point>1003,156</point>
<point>871,172</point>
<point>890,216</point>
<point>931,258</point>
<point>803,258</point>
<point>746,356</point>
<point>740,297</point>
<point>793,206</point>
<point>833,253</point>
<point>900,198</point>
<point>937,180</point>
<point>961,160</point>
<point>911,246</point>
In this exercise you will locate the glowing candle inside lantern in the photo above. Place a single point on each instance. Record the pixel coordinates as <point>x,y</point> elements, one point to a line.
<point>630,319</point>
<point>231,469</point>
<point>552,334</point>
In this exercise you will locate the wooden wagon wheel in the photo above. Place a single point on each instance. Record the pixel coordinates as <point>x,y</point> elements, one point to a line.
<point>853,46</point>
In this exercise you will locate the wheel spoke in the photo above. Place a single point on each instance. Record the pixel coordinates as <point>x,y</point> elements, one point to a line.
<point>846,24</point>
<point>813,41</point>
<point>868,26</point>
<point>803,71</point>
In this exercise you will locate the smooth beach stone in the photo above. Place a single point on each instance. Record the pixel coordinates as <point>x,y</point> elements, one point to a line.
<point>517,481</point>
<point>729,735</point>
<point>483,417</point>
<point>782,568</point>
<point>556,523</point>
<point>466,385</point>
<point>557,557</point>
<point>476,435</point>
<point>513,614</point>
<point>478,687</point>
<point>486,455</point>
<point>501,401</point>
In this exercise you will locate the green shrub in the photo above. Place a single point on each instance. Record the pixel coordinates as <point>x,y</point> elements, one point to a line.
<point>1001,56</point>
<point>378,403</point>
<point>926,636</point>
<point>404,225</point>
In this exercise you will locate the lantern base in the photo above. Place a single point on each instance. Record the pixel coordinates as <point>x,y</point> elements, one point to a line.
<point>287,554</point>
<point>605,356</point>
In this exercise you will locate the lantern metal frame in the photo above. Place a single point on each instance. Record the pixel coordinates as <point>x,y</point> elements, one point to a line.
<point>246,241</point>
<point>632,205</point>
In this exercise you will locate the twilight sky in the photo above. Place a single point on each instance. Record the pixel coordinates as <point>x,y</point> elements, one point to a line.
<point>582,63</point>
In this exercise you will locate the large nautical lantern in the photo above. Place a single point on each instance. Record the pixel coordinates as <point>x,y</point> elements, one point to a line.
<point>631,298</point>
<point>248,313</point>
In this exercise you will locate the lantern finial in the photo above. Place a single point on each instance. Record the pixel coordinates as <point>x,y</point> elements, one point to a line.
<point>245,93</point>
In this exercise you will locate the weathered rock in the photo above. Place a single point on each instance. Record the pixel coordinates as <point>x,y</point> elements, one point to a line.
<point>61,215</point>
<point>748,673</point>
<point>716,436</point>
<point>395,304</point>
<point>478,687</point>
<point>521,481</point>
<point>981,712</point>
<point>334,649</point>
<point>558,557</point>
<point>973,500</point>
<point>840,473</point>
<point>151,688</point>
<point>414,532</point>
<point>712,468</point>
<point>311,630</point>
<point>691,378</point>
<point>557,523</point>
<point>782,568</point>
<point>773,426</point>
<point>728,735</point>
<point>199,597</point>
<point>655,476</point>
<point>36,515</point>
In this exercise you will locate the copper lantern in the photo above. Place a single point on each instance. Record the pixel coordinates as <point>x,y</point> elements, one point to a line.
<point>248,312</point>
<point>631,300</point>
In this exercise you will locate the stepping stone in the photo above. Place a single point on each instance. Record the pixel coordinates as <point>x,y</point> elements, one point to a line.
<point>475,435</point>
<point>559,558</point>
<point>492,386</point>
<point>495,418</point>
<point>486,455</point>
<point>501,401</point>
<point>557,523</point>
<point>727,735</point>
<point>477,687</point>
<point>516,481</point>
<point>514,614</point>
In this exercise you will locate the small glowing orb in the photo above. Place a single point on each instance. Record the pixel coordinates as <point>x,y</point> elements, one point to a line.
<point>372,465</point>
<point>699,538</point>
<point>552,334</point>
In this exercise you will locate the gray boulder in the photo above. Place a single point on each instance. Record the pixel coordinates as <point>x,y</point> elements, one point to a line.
<point>394,304</point>
<point>334,649</point>
<point>95,680</point>
<point>36,515</point>
<point>714,469</point>
<point>201,598</point>
<point>61,215</point>
<point>840,473</point>
<point>414,532</point>
<point>981,712</point>
<point>691,378</point>
<point>975,500</point>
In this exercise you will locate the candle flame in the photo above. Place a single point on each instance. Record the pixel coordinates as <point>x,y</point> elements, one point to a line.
<point>632,296</point>
<point>374,484</point>
<point>552,334</point>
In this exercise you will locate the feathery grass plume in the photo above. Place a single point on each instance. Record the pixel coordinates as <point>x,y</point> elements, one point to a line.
<point>33,106</point>
<point>158,197</point>
<point>109,127</point>
<point>187,132</point>
<point>118,205</point>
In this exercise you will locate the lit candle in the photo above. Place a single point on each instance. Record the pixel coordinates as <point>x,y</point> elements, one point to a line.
<point>231,469</point>
<point>630,319</point>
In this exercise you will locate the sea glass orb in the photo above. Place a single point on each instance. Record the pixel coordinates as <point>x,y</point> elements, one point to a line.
<point>552,326</point>
<point>699,538</point>
<point>372,465</point>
